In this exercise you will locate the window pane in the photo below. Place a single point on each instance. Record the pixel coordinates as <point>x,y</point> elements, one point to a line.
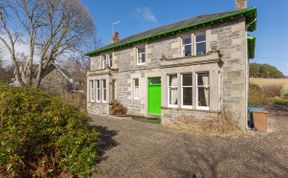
<point>187,96</point>
<point>187,79</point>
<point>136,92</point>
<point>173,80</point>
<point>143,58</point>
<point>104,95</point>
<point>136,88</point>
<point>109,61</point>
<point>186,40</point>
<point>98,90</point>
<point>187,50</point>
<point>91,90</point>
<point>99,94</point>
<point>203,96</point>
<point>203,79</point>
<point>173,95</point>
<point>156,80</point>
<point>201,48</point>
<point>200,37</point>
<point>136,82</point>
<point>104,89</point>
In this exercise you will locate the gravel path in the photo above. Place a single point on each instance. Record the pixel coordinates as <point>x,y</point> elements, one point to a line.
<point>137,149</point>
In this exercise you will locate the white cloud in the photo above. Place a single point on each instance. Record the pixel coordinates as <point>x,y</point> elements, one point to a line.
<point>146,15</point>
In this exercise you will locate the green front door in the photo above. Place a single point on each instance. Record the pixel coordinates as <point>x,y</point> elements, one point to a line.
<point>154,96</point>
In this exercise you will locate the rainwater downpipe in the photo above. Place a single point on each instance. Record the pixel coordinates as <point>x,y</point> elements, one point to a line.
<point>247,76</point>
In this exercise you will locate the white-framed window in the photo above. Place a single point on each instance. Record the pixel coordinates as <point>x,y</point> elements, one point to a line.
<point>172,90</point>
<point>186,45</point>
<point>200,43</point>
<point>98,91</point>
<point>104,89</point>
<point>187,90</point>
<point>92,90</point>
<point>141,55</point>
<point>136,88</point>
<point>203,90</point>
<point>109,60</point>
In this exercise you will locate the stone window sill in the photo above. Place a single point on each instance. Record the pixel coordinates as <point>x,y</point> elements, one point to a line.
<point>210,57</point>
<point>187,109</point>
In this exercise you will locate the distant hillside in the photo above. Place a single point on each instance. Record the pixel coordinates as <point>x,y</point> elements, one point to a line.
<point>264,71</point>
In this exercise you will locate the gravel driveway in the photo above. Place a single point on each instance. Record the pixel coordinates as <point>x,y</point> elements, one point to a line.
<point>137,149</point>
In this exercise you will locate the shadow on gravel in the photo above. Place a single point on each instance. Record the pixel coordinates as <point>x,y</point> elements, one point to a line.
<point>210,160</point>
<point>280,108</point>
<point>106,141</point>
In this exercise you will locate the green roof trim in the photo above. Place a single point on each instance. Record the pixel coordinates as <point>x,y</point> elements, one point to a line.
<point>251,46</point>
<point>250,14</point>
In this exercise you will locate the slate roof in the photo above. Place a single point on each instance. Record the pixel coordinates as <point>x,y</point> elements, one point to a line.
<point>195,22</point>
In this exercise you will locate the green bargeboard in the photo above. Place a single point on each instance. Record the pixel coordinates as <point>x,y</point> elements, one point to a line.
<point>154,96</point>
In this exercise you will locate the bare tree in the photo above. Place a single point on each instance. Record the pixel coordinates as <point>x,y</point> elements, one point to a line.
<point>51,29</point>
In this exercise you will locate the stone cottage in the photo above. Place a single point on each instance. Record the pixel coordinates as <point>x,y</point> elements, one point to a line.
<point>57,80</point>
<point>197,68</point>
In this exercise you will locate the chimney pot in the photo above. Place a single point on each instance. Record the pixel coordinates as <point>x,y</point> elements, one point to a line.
<point>115,37</point>
<point>241,4</point>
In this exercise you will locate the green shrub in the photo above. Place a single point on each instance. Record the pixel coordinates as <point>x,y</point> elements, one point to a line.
<point>41,136</point>
<point>286,95</point>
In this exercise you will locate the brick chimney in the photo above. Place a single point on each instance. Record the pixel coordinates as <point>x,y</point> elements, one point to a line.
<point>115,37</point>
<point>241,4</point>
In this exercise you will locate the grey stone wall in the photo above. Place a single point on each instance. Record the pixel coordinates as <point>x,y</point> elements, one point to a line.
<point>98,108</point>
<point>95,63</point>
<point>126,95</point>
<point>230,39</point>
<point>171,116</point>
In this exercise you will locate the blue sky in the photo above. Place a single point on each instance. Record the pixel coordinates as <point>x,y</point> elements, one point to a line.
<point>140,15</point>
